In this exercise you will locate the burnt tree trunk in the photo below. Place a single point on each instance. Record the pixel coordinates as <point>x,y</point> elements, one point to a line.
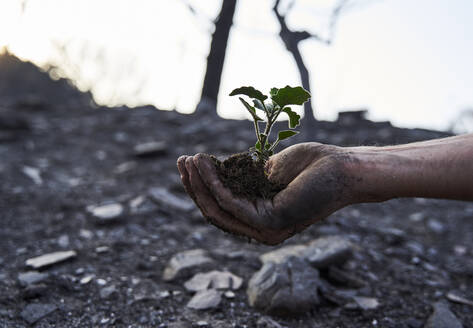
<point>291,40</point>
<point>216,58</point>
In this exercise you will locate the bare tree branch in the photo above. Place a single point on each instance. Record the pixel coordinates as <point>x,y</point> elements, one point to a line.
<point>292,39</point>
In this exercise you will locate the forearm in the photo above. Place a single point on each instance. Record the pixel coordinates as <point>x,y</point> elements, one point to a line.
<point>441,168</point>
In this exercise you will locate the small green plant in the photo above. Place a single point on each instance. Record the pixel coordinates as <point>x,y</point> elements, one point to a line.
<point>280,99</point>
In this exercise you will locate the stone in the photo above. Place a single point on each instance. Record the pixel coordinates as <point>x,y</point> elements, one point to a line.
<point>457,298</point>
<point>321,252</point>
<point>366,303</point>
<point>267,322</point>
<point>63,241</point>
<point>34,312</point>
<point>31,277</point>
<point>202,323</point>
<point>107,213</point>
<point>109,291</point>
<point>280,255</point>
<point>125,167</point>
<point>86,279</point>
<point>182,264</point>
<point>213,280</point>
<point>205,299</point>
<point>286,288</point>
<point>436,226</point>
<point>326,251</point>
<point>165,198</point>
<point>50,259</point>
<point>33,173</point>
<point>150,149</point>
<point>229,294</point>
<point>442,317</point>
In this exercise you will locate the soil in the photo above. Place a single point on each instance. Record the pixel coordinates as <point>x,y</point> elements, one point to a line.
<point>410,253</point>
<point>246,177</point>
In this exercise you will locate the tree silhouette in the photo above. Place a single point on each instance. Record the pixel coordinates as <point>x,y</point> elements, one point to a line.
<point>291,40</point>
<point>216,58</point>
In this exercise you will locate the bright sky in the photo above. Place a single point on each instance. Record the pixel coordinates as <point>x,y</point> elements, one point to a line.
<point>407,61</point>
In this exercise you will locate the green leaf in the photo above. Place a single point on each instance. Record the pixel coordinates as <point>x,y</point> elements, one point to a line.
<point>258,146</point>
<point>251,109</point>
<point>267,146</point>
<point>273,91</point>
<point>290,96</point>
<point>286,134</point>
<point>250,92</point>
<point>294,118</point>
<point>258,104</point>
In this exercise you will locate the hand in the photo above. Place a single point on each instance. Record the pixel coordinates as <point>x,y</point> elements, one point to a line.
<point>317,185</point>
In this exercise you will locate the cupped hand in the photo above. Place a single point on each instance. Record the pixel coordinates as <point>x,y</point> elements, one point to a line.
<point>317,184</point>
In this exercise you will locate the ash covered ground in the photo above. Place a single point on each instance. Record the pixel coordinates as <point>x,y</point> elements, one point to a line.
<point>98,190</point>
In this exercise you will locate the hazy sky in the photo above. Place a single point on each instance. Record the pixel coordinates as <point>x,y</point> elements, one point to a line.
<point>407,61</point>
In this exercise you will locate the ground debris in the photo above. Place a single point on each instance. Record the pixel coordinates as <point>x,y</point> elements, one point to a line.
<point>50,259</point>
<point>213,280</point>
<point>181,264</point>
<point>205,299</point>
<point>442,317</point>
<point>34,312</point>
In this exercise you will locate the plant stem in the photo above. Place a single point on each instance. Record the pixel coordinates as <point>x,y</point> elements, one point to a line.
<point>256,129</point>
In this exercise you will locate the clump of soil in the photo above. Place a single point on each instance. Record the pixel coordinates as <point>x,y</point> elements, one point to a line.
<point>246,177</point>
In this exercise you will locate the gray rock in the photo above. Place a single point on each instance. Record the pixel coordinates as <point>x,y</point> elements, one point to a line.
<point>50,259</point>
<point>31,277</point>
<point>33,173</point>
<point>182,264</point>
<point>150,149</point>
<point>366,303</point>
<point>457,298</point>
<point>267,322</point>
<point>280,255</point>
<point>205,299</point>
<point>107,213</point>
<point>286,288</point>
<point>165,198</point>
<point>326,251</point>
<point>108,292</point>
<point>213,280</point>
<point>63,241</point>
<point>34,312</point>
<point>229,294</point>
<point>321,252</point>
<point>436,226</point>
<point>442,317</point>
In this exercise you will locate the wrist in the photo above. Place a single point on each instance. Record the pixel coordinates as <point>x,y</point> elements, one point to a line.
<point>377,175</point>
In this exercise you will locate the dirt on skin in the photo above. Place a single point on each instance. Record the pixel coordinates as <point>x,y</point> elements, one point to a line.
<point>246,177</point>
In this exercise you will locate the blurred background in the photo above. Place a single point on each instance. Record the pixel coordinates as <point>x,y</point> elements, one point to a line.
<point>408,62</point>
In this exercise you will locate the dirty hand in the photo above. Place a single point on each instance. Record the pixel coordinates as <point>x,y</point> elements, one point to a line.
<point>317,182</point>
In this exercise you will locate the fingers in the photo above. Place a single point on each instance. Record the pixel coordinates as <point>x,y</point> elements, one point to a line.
<point>240,208</point>
<point>210,207</point>
<point>181,166</point>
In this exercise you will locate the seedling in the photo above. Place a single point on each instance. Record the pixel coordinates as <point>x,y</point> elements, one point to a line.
<point>280,99</point>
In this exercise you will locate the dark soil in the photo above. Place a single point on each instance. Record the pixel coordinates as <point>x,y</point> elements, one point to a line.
<point>409,252</point>
<point>246,177</point>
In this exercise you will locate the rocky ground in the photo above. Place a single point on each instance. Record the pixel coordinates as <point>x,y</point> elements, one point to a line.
<point>96,230</point>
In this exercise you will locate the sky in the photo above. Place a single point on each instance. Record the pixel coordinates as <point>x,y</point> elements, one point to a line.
<point>406,61</point>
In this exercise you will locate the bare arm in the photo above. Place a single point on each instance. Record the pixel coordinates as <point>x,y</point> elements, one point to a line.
<point>321,179</point>
<point>441,168</point>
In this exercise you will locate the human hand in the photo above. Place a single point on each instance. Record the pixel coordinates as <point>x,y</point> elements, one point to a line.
<point>317,182</point>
